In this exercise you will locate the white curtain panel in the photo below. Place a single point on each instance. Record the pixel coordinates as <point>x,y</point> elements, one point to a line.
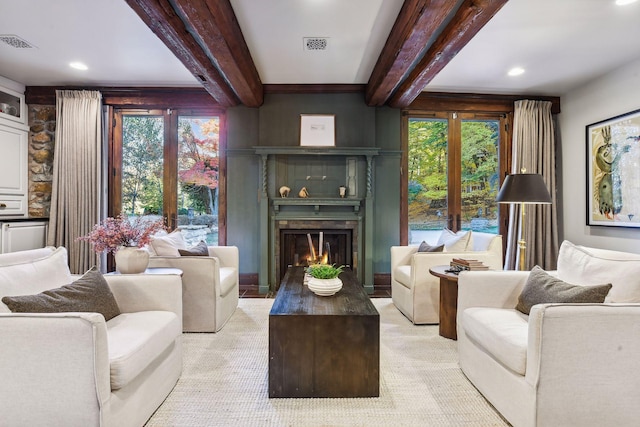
<point>534,149</point>
<point>77,175</point>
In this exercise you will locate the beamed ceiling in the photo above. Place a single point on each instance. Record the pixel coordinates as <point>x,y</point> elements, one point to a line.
<point>233,52</point>
<point>206,37</point>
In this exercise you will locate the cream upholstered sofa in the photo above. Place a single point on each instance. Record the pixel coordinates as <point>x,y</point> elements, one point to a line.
<point>416,292</point>
<point>75,368</point>
<point>563,364</point>
<point>210,283</point>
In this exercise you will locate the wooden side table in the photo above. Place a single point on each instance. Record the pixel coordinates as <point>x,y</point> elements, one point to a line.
<point>448,300</point>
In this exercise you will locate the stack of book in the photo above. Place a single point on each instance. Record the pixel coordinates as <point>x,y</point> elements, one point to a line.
<point>468,264</point>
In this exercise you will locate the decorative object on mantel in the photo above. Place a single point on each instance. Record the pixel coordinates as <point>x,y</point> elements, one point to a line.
<point>342,191</point>
<point>284,191</point>
<point>124,237</point>
<point>317,130</point>
<point>323,279</point>
<point>303,193</point>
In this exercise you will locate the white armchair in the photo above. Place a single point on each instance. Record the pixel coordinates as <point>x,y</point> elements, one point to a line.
<point>563,364</point>
<point>415,292</point>
<point>76,368</point>
<point>210,286</point>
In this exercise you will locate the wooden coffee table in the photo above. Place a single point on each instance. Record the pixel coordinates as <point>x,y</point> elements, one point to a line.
<point>323,346</point>
<point>448,300</point>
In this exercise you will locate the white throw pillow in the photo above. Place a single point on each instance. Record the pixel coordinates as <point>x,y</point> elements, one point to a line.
<point>484,241</point>
<point>580,265</point>
<point>32,277</point>
<point>446,233</point>
<point>168,245</point>
<point>455,242</point>
<point>149,248</point>
<point>30,255</point>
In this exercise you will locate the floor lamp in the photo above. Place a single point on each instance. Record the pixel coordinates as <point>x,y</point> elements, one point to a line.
<point>523,188</point>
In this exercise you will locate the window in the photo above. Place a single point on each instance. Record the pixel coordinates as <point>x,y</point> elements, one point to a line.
<point>169,164</point>
<point>454,162</point>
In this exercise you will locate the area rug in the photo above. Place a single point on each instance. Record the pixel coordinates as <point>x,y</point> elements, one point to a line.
<point>225,381</point>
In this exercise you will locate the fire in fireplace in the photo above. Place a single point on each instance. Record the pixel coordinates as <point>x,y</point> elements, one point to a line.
<point>303,247</point>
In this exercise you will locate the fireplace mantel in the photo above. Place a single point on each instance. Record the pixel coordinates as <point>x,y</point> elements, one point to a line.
<point>321,171</point>
<point>317,151</point>
<point>317,203</point>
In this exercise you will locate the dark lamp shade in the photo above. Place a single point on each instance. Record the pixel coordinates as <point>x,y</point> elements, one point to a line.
<point>524,188</point>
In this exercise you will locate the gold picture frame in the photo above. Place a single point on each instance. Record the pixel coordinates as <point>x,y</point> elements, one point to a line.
<point>317,130</point>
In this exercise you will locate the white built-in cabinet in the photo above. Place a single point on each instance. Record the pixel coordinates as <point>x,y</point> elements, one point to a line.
<point>14,134</point>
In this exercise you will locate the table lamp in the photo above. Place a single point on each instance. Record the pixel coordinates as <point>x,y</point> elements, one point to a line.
<point>523,188</point>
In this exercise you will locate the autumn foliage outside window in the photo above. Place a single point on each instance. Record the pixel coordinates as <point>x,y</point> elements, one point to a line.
<point>198,163</point>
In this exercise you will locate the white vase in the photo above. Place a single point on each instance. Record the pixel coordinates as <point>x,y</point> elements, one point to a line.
<point>130,260</point>
<point>324,287</point>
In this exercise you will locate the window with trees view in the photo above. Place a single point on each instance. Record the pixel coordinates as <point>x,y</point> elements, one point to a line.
<point>171,168</point>
<point>453,174</point>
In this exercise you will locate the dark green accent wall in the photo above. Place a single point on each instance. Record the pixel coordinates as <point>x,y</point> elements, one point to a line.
<point>387,187</point>
<point>277,123</point>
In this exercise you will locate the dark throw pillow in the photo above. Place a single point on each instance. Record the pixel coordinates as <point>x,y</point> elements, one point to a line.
<point>200,249</point>
<point>90,293</point>
<point>543,288</point>
<point>425,247</point>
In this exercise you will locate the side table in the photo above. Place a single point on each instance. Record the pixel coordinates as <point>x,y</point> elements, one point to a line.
<point>448,300</point>
<point>157,270</point>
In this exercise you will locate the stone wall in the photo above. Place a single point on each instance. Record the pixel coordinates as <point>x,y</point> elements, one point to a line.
<point>42,122</point>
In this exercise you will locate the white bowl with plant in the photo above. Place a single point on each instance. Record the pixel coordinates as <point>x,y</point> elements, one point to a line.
<point>323,279</point>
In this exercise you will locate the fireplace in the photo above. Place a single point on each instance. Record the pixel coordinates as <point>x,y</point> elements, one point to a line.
<point>292,242</point>
<point>300,247</point>
<point>345,219</point>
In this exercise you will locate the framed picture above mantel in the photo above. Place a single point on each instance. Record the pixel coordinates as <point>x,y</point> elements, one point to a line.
<point>317,130</point>
<point>613,175</point>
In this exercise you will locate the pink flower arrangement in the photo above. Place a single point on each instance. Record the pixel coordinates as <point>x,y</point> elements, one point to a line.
<point>112,233</point>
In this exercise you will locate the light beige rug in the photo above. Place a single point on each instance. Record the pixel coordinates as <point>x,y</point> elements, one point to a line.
<point>225,380</point>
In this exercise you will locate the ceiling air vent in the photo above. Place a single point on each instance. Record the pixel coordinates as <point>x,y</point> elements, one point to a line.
<point>15,41</point>
<point>315,43</point>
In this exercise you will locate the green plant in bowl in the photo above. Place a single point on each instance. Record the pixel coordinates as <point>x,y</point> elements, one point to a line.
<point>324,271</point>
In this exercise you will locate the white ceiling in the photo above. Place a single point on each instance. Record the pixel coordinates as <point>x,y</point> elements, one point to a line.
<point>106,35</point>
<point>356,31</point>
<point>560,43</point>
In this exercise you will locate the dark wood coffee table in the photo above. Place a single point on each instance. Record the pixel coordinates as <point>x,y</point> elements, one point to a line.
<point>323,346</point>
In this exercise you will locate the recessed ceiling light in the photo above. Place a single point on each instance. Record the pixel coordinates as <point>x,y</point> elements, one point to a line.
<point>516,71</point>
<point>625,2</point>
<point>78,66</point>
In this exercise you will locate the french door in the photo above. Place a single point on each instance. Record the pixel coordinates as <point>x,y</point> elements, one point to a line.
<point>453,164</point>
<point>170,164</point>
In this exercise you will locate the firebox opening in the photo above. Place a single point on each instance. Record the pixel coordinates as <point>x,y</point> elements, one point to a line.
<point>303,247</point>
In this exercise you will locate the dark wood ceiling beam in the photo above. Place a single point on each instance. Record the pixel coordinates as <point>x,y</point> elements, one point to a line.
<point>470,17</point>
<point>132,97</point>
<point>214,25</point>
<point>473,102</point>
<point>162,19</point>
<point>411,35</point>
